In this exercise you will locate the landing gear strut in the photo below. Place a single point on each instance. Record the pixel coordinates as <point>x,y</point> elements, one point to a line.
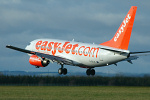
<point>90,72</point>
<point>62,70</point>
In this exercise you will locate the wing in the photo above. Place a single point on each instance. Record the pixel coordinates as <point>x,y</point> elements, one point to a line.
<point>52,58</point>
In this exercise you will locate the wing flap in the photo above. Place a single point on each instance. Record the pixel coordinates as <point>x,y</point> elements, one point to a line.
<point>57,59</point>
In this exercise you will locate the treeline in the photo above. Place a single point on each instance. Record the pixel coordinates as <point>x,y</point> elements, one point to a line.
<point>74,81</point>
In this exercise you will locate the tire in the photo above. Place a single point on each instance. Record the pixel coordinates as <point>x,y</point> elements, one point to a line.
<point>92,72</point>
<point>88,72</point>
<point>64,71</point>
<point>60,71</point>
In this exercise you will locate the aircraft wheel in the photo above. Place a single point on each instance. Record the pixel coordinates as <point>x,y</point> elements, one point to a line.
<point>64,71</point>
<point>60,71</point>
<point>88,72</point>
<point>93,72</point>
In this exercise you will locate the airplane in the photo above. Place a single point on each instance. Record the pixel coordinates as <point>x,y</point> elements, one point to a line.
<point>84,55</point>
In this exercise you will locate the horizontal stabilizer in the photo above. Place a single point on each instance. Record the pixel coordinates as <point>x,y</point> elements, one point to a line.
<point>140,52</point>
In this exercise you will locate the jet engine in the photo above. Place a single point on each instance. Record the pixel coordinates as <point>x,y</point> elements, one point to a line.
<point>36,61</point>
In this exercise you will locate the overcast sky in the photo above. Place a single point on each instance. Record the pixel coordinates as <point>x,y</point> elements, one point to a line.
<point>22,21</point>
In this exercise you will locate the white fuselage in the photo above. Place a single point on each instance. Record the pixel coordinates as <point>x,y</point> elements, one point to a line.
<point>82,54</point>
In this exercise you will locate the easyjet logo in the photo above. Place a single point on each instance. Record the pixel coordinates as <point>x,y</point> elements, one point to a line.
<point>121,29</point>
<point>66,47</point>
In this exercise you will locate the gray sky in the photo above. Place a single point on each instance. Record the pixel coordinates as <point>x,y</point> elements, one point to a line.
<point>22,21</point>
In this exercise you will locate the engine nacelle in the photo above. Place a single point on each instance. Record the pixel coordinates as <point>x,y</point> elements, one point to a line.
<point>36,61</point>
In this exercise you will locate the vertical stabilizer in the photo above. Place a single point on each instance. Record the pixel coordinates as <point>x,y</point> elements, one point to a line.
<point>122,37</point>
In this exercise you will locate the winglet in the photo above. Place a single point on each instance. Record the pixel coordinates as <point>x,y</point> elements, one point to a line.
<point>122,37</point>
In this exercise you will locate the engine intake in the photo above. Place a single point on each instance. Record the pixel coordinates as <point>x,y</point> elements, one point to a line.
<point>36,61</point>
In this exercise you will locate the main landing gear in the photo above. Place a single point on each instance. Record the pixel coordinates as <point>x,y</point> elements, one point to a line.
<point>90,72</point>
<point>62,70</point>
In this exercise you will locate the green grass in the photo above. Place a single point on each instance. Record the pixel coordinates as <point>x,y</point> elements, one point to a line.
<point>74,93</point>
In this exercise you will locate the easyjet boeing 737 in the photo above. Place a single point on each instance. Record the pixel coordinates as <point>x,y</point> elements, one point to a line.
<point>84,55</point>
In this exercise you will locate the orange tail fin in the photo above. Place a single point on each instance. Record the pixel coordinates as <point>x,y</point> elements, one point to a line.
<point>122,37</point>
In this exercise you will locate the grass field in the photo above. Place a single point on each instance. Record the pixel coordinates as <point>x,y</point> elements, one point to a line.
<point>74,93</point>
